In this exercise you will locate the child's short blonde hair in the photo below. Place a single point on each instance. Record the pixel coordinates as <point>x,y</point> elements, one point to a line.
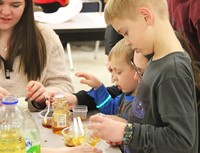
<point>121,51</point>
<point>128,8</point>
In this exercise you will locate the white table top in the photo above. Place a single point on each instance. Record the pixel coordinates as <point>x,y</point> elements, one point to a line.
<point>82,21</point>
<point>48,139</point>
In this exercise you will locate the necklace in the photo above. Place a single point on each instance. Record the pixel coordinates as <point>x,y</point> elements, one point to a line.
<point>4,48</point>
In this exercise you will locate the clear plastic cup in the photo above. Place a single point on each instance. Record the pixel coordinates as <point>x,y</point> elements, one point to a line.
<point>47,124</point>
<point>80,111</point>
<point>70,139</point>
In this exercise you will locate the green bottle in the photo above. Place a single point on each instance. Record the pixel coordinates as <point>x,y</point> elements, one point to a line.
<point>31,132</point>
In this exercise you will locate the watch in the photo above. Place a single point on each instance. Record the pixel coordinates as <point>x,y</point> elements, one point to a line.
<point>128,134</point>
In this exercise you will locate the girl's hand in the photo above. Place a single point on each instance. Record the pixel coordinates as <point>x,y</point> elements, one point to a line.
<point>35,91</point>
<point>49,96</point>
<point>3,92</point>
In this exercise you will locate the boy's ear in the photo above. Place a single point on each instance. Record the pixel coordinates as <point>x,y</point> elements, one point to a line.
<point>147,14</point>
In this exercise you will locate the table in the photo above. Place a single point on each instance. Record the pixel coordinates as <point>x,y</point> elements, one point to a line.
<point>82,27</point>
<point>48,139</point>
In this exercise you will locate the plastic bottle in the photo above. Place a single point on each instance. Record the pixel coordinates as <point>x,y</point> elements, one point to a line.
<point>60,117</point>
<point>11,127</point>
<point>31,132</point>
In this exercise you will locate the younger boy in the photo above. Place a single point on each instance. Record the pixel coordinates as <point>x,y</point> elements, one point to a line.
<point>123,75</point>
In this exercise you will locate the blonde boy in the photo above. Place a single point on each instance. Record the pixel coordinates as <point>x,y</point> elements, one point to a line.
<point>123,73</point>
<point>163,117</point>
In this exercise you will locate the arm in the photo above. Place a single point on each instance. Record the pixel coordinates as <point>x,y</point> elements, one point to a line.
<point>114,91</point>
<point>78,149</point>
<point>89,79</point>
<point>93,82</point>
<point>104,102</point>
<point>3,92</point>
<point>83,98</point>
<point>105,128</point>
<point>177,109</point>
<point>55,77</point>
<point>117,118</point>
<point>179,126</point>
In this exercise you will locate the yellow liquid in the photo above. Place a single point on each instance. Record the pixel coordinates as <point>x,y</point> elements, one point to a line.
<point>92,141</point>
<point>69,136</point>
<point>78,140</point>
<point>10,142</point>
<point>60,121</point>
<point>57,130</point>
<point>69,142</point>
<point>48,124</point>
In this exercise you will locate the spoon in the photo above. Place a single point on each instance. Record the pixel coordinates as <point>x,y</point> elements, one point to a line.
<point>48,110</point>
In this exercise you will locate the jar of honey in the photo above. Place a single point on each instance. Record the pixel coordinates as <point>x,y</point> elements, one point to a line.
<point>60,117</point>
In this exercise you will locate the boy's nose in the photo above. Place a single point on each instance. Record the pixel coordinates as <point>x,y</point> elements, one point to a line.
<point>114,78</point>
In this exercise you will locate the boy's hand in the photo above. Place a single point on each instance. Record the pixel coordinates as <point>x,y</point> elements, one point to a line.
<point>72,100</point>
<point>105,128</point>
<point>117,118</point>
<point>114,144</point>
<point>89,79</point>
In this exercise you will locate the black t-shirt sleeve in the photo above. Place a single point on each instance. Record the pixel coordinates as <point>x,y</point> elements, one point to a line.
<point>114,91</point>
<point>85,99</point>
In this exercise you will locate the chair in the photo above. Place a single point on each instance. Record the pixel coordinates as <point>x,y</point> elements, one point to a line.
<point>94,1</point>
<point>100,10</point>
<point>97,44</point>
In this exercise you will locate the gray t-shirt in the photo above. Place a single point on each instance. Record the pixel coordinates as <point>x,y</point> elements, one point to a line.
<point>164,111</point>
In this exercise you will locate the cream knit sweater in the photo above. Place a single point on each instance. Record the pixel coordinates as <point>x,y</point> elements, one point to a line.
<point>54,77</point>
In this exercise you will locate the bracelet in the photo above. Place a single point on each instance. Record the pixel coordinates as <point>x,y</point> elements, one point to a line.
<point>128,134</point>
